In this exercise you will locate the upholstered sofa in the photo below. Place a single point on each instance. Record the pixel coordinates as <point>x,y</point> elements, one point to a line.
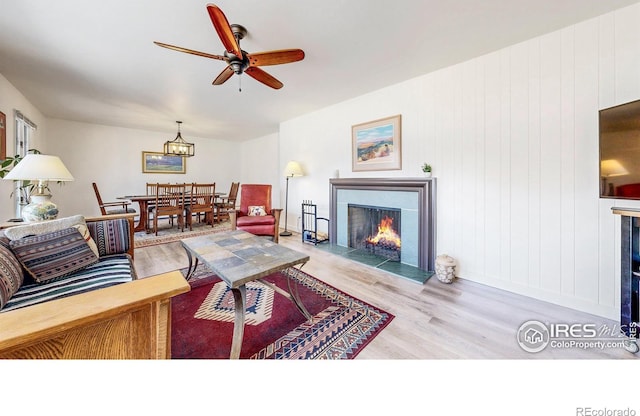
<point>69,289</point>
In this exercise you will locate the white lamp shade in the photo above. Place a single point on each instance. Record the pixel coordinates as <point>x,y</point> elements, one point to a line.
<point>293,169</point>
<point>40,167</point>
<point>612,167</point>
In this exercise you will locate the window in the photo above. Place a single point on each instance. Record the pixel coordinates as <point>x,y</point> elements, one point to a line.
<point>25,129</point>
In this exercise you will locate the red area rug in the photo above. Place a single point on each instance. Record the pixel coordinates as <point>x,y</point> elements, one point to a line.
<point>202,321</point>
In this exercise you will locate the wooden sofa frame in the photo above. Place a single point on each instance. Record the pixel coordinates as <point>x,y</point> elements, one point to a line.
<point>128,321</point>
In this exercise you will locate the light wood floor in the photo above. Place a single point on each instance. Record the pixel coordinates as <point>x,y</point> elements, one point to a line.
<point>432,320</point>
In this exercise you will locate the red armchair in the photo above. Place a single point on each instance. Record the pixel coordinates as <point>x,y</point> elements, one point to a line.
<point>268,224</point>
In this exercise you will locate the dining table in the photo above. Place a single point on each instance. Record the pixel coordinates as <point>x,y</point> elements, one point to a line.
<point>143,205</point>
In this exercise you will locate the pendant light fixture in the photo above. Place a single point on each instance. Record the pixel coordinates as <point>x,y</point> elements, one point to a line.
<point>178,147</point>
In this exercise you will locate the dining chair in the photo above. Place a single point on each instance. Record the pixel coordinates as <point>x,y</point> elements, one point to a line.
<point>200,200</point>
<point>108,208</point>
<point>169,201</point>
<point>152,190</point>
<point>255,214</point>
<point>227,203</point>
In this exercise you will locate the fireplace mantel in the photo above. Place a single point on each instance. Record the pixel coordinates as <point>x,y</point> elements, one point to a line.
<point>426,192</point>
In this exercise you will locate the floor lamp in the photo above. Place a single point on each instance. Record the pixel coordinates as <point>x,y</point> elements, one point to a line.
<point>292,169</point>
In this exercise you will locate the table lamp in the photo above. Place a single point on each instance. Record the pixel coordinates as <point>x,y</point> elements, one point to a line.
<point>608,169</point>
<point>292,169</point>
<point>40,168</point>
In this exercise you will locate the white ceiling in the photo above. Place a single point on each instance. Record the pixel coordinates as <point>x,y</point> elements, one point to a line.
<point>96,62</point>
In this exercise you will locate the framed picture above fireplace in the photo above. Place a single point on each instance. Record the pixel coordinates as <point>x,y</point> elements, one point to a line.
<point>377,145</point>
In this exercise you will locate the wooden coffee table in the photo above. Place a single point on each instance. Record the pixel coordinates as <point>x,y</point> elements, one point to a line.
<point>238,257</point>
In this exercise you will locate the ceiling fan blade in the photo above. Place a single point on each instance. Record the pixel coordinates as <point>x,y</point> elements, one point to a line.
<point>191,51</point>
<point>223,28</point>
<point>224,75</point>
<point>283,56</point>
<point>259,75</point>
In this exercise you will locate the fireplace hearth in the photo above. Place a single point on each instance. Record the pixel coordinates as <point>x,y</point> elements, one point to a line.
<point>406,204</point>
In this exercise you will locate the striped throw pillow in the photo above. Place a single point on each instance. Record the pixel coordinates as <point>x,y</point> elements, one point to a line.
<point>11,275</point>
<point>55,254</point>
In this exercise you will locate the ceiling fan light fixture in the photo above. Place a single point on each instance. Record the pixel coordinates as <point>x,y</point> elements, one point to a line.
<point>178,146</point>
<point>239,61</point>
<point>237,67</point>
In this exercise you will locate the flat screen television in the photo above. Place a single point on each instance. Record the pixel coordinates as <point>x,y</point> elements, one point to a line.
<point>620,151</point>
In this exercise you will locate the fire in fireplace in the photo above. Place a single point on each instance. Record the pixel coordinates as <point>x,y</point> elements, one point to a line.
<point>375,229</point>
<point>386,242</point>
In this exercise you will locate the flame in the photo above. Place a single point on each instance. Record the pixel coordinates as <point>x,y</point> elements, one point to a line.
<point>386,233</point>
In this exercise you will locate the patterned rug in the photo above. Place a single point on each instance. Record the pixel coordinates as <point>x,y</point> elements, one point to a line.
<point>202,320</point>
<point>169,234</point>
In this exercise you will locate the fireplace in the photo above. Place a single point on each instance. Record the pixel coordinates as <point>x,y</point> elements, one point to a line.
<point>408,202</point>
<point>375,230</point>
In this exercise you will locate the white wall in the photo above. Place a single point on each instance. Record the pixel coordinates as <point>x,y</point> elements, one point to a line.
<point>513,140</point>
<point>11,100</point>
<point>258,163</point>
<point>109,156</point>
<point>112,157</point>
<point>259,159</point>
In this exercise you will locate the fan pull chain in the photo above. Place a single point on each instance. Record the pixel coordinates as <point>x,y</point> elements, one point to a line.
<point>240,83</point>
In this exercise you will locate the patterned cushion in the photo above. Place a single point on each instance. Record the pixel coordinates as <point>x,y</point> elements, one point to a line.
<point>108,271</point>
<point>36,228</point>
<point>111,236</point>
<point>52,255</point>
<point>11,275</point>
<point>4,240</point>
<point>256,211</point>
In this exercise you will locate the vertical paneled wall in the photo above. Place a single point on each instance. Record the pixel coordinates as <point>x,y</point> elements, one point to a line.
<point>513,138</point>
<point>516,142</point>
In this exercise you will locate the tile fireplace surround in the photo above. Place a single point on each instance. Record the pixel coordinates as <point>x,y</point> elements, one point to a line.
<point>416,196</point>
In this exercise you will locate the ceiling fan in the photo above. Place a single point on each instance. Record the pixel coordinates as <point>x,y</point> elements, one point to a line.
<point>240,61</point>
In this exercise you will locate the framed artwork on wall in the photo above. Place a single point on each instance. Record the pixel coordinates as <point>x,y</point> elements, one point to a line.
<point>157,162</point>
<point>377,145</point>
<point>3,136</point>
